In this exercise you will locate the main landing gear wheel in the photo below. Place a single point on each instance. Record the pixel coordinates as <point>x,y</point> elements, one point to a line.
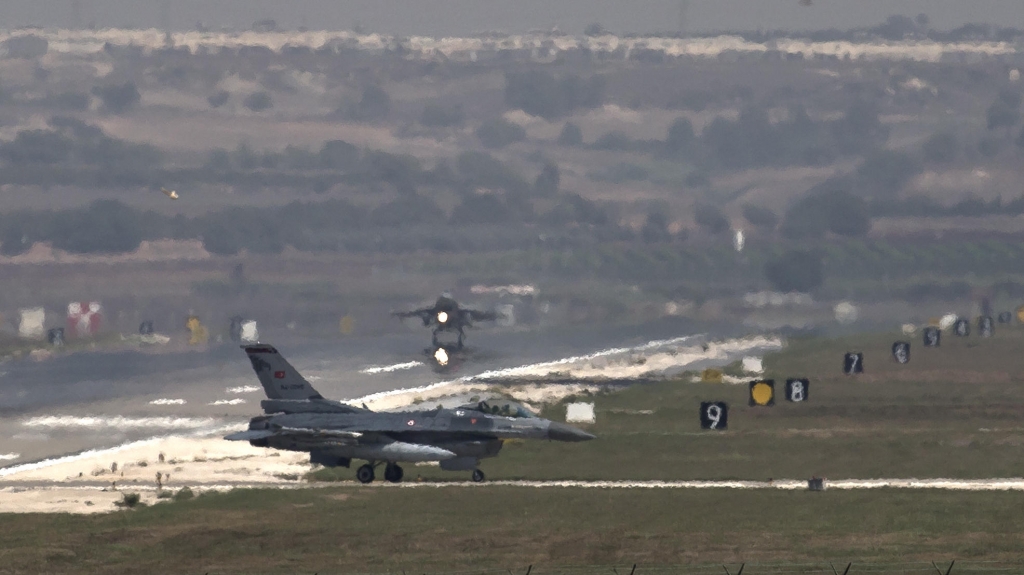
<point>393,473</point>
<point>365,474</point>
<point>478,476</point>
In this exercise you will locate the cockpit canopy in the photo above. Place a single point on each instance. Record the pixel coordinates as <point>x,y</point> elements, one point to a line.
<point>505,409</point>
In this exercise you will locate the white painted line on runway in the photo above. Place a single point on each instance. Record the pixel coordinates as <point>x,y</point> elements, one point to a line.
<point>390,368</point>
<point>91,453</point>
<point>165,401</point>
<point>236,401</point>
<point>1010,484</point>
<point>118,422</point>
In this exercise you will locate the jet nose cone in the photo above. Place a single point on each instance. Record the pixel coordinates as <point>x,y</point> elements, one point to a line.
<point>562,432</point>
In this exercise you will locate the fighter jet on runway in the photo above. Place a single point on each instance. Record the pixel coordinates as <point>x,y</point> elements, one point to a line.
<point>447,316</point>
<point>300,419</point>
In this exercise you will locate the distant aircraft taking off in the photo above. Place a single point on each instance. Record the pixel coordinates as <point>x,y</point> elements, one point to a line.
<point>300,419</point>
<point>447,316</point>
<point>170,193</point>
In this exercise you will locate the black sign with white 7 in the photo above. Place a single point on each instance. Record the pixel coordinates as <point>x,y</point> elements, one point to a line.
<point>853,363</point>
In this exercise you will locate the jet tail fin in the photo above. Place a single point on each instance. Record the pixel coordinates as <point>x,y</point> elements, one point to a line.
<point>279,379</point>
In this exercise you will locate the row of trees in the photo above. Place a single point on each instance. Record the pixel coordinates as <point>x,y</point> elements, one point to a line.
<point>71,152</point>
<point>752,140</point>
<point>413,222</point>
<point>71,142</point>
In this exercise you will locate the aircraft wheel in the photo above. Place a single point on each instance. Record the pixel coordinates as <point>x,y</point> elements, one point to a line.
<point>393,473</point>
<point>478,476</point>
<point>365,474</point>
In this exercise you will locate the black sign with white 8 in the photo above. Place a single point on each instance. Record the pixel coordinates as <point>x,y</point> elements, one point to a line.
<point>797,390</point>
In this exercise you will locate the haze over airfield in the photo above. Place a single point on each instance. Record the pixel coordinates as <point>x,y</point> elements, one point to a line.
<point>449,17</point>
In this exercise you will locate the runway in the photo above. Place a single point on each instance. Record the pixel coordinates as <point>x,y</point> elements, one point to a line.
<point>97,400</point>
<point>46,497</point>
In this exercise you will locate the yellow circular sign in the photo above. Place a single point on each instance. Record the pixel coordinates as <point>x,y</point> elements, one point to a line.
<point>347,325</point>
<point>761,393</point>
<point>711,375</point>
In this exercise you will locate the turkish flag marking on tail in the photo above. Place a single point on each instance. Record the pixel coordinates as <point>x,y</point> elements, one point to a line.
<point>279,374</point>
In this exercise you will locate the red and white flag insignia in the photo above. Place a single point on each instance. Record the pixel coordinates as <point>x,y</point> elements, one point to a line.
<point>279,374</point>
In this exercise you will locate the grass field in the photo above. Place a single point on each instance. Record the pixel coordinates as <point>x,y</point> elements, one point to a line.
<point>952,412</point>
<point>955,411</point>
<point>350,529</point>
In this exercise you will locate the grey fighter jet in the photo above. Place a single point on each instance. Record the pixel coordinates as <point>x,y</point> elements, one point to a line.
<point>300,419</point>
<point>447,316</point>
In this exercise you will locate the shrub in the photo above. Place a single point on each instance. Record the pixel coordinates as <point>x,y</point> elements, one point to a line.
<point>129,500</point>
<point>614,140</point>
<point>571,135</point>
<point>795,271</point>
<point>28,46</point>
<point>711,218</point>
<point>118,98</point>
<point>941,148</point>
<point>499,133</point>
<point>548,180</point>
<point>218,99</point>
<point>480,169</point>
<point>439,115</point>
<point>339,155</point>
<point>72,101</point>
<point>374,104</point>
<point>656,226</point>
<point>828,208</point>
<point>258,101</point>
<point>542,94</point>
<point>680,135</point>
<point>184,494</point>
<point>886,172</point>
<point>760,217</point>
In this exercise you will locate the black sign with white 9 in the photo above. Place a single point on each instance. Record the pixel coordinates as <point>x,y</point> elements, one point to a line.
<point>714,415</point>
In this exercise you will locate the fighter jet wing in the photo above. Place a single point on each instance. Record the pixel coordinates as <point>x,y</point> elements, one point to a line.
<point>477,315</point>
<point>252,434</point>
<point>425,314</point>
<point>321,432</point>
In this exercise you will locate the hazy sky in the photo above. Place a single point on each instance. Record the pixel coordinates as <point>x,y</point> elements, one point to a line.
<point>441,17</point>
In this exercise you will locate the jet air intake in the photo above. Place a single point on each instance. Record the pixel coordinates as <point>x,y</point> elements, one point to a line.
<point>562,432</point>
<point>395,451</point>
